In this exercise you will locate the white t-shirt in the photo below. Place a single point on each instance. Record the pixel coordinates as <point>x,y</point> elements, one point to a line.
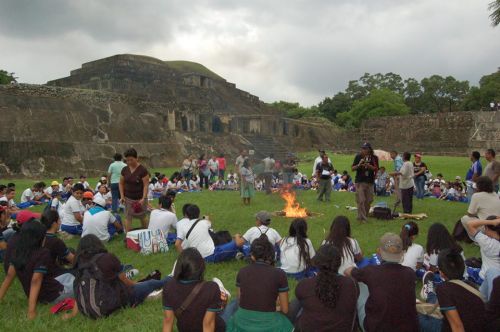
<point>10,202</point>
<point>490,252</point>
<point>86,185</point>
<point>290,259</point>
<point>27,196</point>
<point>316,162</point>
<point>432,259</point>
<point>97,223</point>
<point>162,219</point>
<point>182,184</point>
<point>199,237</point>
<point>413,255</point>
<point>72,206</point>
<point>406,177</point>
<point>255,232</point>
<point>193,185</point>
<point>484,204</point>
<point>348,257</point>
<point>106,196</point>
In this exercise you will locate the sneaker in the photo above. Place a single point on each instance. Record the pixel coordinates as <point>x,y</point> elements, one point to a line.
<point>155,294</point>
<point>239,255</point>
<point>131,274</point>
<point>156,275</point>
<point>427,285</point>
<point>221,287</point>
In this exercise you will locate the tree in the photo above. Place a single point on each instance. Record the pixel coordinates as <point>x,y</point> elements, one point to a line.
<point>6,78</point>
<point>331,107</point>
<point>294,110</point>
<point>494,6</point>
<point>380,102</point>
<point>479,98</point>
<point>412,94</point>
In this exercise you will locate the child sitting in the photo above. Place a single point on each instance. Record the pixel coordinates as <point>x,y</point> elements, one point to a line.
<point>163,219</point>
<point>219,185</point>
<point>297,251</point>
<point>182,185</point>
<point>100,222</point>
<point>232,184</point>
<point>262,222</point>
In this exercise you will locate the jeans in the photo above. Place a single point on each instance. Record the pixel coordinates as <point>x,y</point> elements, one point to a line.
<point>75,230</point>
<point>115,197</point>
<point>141,290</point>
<point>487,285</point>
<point>420,185</point>
<point>287,178</point>
<point>308,273</point>
<point>223,252</point>
<point>325,189</point>
<point>428,323</point>
<point>229,311</point>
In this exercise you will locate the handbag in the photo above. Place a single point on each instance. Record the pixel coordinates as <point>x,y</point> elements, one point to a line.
<point>146,242</point>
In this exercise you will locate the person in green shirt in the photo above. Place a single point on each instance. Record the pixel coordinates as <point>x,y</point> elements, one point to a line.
<point>114,173</point>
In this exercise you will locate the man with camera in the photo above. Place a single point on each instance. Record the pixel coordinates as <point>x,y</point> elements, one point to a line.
<point>366,166</point>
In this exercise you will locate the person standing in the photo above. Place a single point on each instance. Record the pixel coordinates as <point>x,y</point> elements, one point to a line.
<point>366,166</point>
<point>268,172</point>
<point>188,166</point>
<point>134,182</point>
<point>492,170</point>
<point>240,159</point>
<point>406,184</point>
<point>222,166</point>
<point>288,169</point>
<point>398,163</point>
<point>203,171</point>
<point>247,182</point>
<point>324,171</point>
<point>114,173</point>
<point>318,160</point>
<point>419,168</point>
<point>213,166</point>
<point>475,171</point>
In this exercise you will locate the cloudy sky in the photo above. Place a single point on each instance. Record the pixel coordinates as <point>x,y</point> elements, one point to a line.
<point>279,50</point>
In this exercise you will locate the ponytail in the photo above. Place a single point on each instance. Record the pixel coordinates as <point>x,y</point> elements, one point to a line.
<point>407,231</point>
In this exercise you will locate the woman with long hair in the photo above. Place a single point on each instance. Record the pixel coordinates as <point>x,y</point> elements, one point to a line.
<point>414,253</point>
<point>259,285</point>
<point>297,251</point>
<point>438,238</point>
<point>340,237</point>
<point>35,269</point>
<point>201,314</point>
<point>247,182</point>
<point>329,299</point>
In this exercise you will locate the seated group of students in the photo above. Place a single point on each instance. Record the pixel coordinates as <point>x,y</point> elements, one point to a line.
<point>336,283</point>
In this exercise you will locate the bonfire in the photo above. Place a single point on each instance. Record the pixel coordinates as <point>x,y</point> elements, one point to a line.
<point>292,209</point>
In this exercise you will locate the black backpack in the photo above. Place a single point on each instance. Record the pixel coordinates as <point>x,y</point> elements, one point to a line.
<point>95,296</point>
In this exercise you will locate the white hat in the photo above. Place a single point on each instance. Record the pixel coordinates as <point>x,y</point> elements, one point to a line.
<point>99,201</point>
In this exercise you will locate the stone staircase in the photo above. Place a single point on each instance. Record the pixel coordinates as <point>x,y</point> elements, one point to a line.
<point>265,145</point>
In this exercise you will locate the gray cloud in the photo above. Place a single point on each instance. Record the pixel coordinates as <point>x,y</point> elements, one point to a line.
<point>291,50</point>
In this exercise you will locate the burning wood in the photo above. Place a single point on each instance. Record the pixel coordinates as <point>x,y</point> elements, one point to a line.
<point>292,208</point>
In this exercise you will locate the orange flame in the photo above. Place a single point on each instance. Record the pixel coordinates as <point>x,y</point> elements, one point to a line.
<point>292,208</point>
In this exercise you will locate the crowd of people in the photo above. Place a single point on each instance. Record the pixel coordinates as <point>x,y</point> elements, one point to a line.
<point>340,285</point>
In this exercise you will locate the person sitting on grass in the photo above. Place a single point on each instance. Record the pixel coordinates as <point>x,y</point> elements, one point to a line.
<point>259,285</point>
<point>202,313</point>
<point>340,237</point>
<point>262,222</point>
<point>182,185</point>
<point>232,184</point>
<point>58,249</point>
<point>297,251</point>
<point>125,292</point>
<point>100,222</point>
<point>29,197</point>
<point>105,193</point>
<point>35,269</point>
<point>72,218</point>
<point>10,194</point>
<point>163,219</point>
<point>195,233</point>
<point>326,302</point>
<point>390,300</point>
<point>461,304</point>
<point>414,252</point>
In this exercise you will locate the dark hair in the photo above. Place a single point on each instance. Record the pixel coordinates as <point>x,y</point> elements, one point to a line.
<point>78,187</point>
<point>202,157</point>
<point>130,153</point>
<point>298,230</point>
<point>11,185</point>
<point>9,190</point>
<point>39,185</point>
<point>438,238</point>
<point>165,202</point>
<point>484,184</point>
<point>246,163</point>
<point>190,265</point>
<point>193,211</point>
<point>327,260</point>
<point>476,155</point>
<point>407,231</point>
<point>492,152</point>
<point>262,250</point>
<point>451,263</point>
<point>185,207</point>
<point>340,232</point>
<point>406,156</point>
<point>31,238</point>
<point>83,176</point>
<point>439,175</point>
<point>117,157</point>
<point>49,217</point>
<point>171,193</point>
<point>2,187</point>
<point>89,246</point>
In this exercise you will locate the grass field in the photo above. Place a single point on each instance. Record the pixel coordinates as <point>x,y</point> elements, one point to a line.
<point>227,213</point>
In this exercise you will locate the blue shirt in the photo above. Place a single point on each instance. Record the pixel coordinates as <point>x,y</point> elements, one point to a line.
<point>476,168</point>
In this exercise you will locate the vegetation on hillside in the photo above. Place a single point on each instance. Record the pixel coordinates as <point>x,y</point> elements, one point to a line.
<point>6,77</point>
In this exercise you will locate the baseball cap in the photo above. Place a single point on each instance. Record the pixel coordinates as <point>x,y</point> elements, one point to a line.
<point>264,217</point>
<point>26,215</point>
<point>99,201</point>
<point>366,145</point>
<point>391,248</point>
<point>54,183</point>
<point>418,154</point>
<point>88,194</point>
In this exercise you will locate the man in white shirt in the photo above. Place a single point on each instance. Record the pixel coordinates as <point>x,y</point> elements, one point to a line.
<point>83,180</point>
<point>72,217</point>
<point>29,194</point>
<point>54,186</point>
<point>194,233</point>
<point>318,160</point>
<point>240,159</point>
<point>406,183</point>
<point>100,222</point>
<point>269,164</point>
<point>104,193</point>
<point>9,198</point>
<point>163,219</point>
<point>262,222</point>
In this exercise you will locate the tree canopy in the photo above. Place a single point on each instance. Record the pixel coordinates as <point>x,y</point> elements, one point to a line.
<point>6,77</point>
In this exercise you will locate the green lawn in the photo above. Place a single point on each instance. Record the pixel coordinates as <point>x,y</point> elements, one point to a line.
<point>227,212</point>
